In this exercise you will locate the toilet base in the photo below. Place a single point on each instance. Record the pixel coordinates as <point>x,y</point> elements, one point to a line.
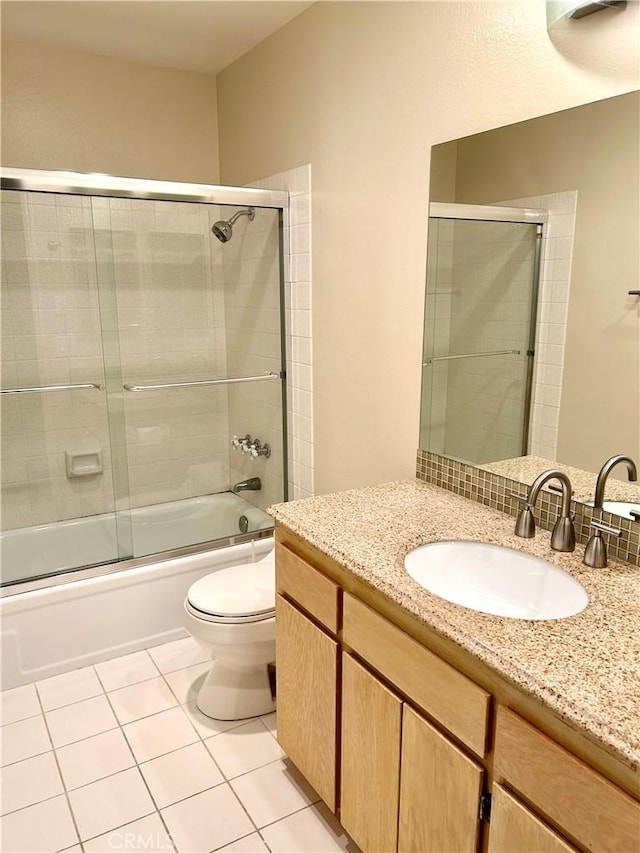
<point>236,693</point>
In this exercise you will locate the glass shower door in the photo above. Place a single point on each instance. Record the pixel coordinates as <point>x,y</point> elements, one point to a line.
<point>480,316</point>
<point>58,498</point>
<point>143,384</point>
<point>198,324</point>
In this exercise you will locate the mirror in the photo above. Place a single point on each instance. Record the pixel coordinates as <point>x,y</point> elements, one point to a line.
<point>577,338</point>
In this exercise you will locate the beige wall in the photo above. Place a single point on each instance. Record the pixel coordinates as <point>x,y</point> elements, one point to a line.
<point>593,150</point>
<point>362,91</point>
<point>69,110</point>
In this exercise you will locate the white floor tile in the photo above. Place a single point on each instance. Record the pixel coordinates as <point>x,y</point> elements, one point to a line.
<point>178,654</point>
<point>110,803</point>
<point>81,720</point>
<point>207,821</point>
<point>159,734</point>
<point>68,688</point>
<point>146,834</point>
<point>181,774</point>
<point>207,726</point>
<point>123,671</point>
<point>18,704</point>
<point>29,782</point>
<point>141,700</point>
<point>94,758</point>
<point>24,739</point>
<point>185,683</point>
<point>249,844</point>
<point>314,830</point>
<point>273,792</point>
<point>45,827</point>
<point>243,749</point>
<point>269,720</point>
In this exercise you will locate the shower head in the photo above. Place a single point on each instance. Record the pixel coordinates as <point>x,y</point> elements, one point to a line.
<point>224,231</point>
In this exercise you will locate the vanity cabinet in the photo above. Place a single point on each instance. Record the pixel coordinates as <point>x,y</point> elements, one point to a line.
<point>405,748</point>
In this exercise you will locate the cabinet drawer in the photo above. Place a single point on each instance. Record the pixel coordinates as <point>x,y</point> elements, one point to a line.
<point>572,795</point>
<point>445,694</point>
<point>314,592</point>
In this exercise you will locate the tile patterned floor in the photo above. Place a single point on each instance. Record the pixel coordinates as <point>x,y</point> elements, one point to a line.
<point>117,757</point>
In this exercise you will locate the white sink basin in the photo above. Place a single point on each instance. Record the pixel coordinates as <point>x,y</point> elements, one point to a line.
<point>496,580</point>
<point>622,508</point>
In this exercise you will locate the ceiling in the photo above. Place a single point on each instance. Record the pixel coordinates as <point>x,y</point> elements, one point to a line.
<point>194,35</point>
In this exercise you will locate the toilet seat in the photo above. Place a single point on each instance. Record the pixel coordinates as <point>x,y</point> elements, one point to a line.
<point>236,595</point>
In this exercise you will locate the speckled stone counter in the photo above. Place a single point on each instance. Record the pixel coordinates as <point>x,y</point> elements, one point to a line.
<point>526,468</point>
<point>585,668</point>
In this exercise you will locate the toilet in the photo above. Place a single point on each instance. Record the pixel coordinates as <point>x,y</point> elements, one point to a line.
<point>231,613</point>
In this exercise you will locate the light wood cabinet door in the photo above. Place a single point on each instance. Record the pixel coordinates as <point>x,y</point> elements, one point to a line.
<point>588,807</point>
<point>371,721</point>
<point>514,829</point>
<point>306,675</point>
<point>440,789</point>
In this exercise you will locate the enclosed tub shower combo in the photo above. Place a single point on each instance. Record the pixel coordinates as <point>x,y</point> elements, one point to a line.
<point>143,406</point>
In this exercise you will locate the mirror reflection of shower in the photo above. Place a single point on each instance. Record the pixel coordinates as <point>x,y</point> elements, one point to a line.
<point>483,266</point>
<point>224,230</point>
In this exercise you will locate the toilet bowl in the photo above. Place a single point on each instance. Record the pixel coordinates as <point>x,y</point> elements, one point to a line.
<point>231,613</point>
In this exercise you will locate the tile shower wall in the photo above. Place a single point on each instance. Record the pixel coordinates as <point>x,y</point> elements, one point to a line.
<point>299,326</point>
<point>251,272</point>
<point>553,307</point>
<point>50,335</point>
<point>171,321</point>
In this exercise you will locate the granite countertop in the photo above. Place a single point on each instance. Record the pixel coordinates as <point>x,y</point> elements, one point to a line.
<point>525,469</point>
<point>585,668</point>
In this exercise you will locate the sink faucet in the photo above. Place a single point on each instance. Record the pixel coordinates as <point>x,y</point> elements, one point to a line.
<point>606,470</point>
<point>253,484</point>
<point>563,537</point>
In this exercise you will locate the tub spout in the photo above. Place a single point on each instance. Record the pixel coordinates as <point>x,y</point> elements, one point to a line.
<point>253,484</point>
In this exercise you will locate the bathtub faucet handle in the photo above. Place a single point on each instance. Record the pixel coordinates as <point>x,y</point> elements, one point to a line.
<point>256,448</point>
<point>241,443</point>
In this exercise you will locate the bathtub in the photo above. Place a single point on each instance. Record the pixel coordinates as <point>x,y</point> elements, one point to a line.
<point>82,620</point>
<point>31,552</point>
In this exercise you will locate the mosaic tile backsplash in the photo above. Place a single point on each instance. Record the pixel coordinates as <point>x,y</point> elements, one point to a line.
<point>494,491</point>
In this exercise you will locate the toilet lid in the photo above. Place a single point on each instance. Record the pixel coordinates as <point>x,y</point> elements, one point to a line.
<point>246,591</point>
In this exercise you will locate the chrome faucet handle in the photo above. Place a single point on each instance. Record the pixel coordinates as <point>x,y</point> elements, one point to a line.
<point>595,552</point>
<point>256,448</point>
<point>634,515</point>
<point>553,488</point>
<point>241,443</point>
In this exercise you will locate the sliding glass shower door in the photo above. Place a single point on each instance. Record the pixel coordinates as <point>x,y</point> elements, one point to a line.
<point>199,357</point>
<point>143,391</point>
<point>56,452</point>
<point>479,334</point>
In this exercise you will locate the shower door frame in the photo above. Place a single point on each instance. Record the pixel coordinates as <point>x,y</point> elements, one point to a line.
<point>519,216</point>
<point>103,185</point>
